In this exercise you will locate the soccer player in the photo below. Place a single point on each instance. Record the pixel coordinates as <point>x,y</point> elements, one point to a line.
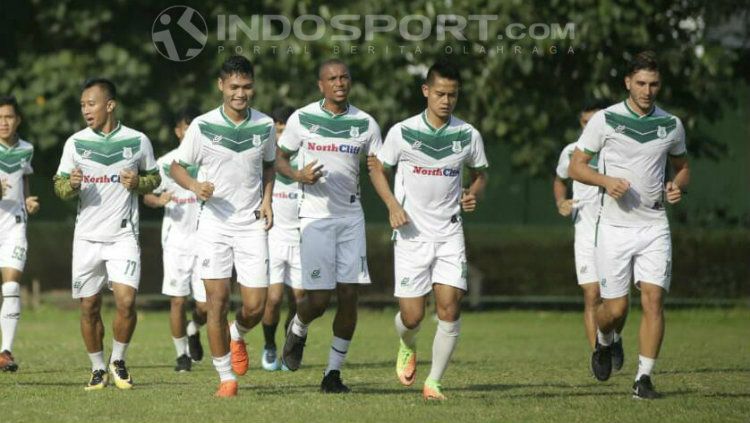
<point>331,135</point>
<point>179,253</point>
<point>105,166</point>
<point>15,204</point>
<point>430,151</point>
<point>234,145</point>
<point>283,252</point>
<point>634,138</point>
<point>584,207</point>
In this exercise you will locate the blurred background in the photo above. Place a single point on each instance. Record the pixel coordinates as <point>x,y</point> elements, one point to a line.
<point>526,73</point>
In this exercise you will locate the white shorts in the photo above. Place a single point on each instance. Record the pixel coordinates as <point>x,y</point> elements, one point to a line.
<point>13,248</point>
<point>181,275</point>
<point>246,252</point>
<point>420,264</point>
<point>284,264</point>
<point>585,253</point>
<point>96,264</point>
<point>642,254</point>
<point>333,251</point>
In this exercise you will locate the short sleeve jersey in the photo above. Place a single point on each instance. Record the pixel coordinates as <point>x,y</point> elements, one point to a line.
<point>231,156</point>
<point>181,212</point>
<point>15,163</point>
<point>430,171</point>
<point>337,142</point>
<point>586,197</point>
<point>634,148</point>
<point>107,211</point>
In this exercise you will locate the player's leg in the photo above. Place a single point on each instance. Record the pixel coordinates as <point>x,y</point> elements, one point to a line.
<point>178,327</point>
<point>199,315</point>
<point>591,300</point>
<point>277,269</point>
<point>294,291</point>
<point>176,285</point>
<point>448,307</point>
<point>588,280</point>
<point>653,268</point>
<point>10,313</point>
<point>217,328</point>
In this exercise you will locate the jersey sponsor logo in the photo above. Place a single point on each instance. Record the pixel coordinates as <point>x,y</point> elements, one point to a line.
<point>104,179</point>
<point>341,148</point>
<point>188,200</point>
<point>286,195</point>
<point>436,171</point>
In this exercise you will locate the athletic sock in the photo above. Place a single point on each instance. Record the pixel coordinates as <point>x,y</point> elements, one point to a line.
<point>409,336</point>
<point>617,337</point>
<point>605,339</point>
<point>180,345</point>
<point>192,328</point>
<point>446,338</point>
<point>97,361</point>
<point>10,312</point>
<point>118,351</point>
<point>337,354</point>
<point>223,365</point>
<point>298,328</point>
<point>645,365</point>
<point>237,331</point>
<point>269,335</point>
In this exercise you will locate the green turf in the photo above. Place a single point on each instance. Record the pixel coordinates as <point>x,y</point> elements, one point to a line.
<point>509,366</point>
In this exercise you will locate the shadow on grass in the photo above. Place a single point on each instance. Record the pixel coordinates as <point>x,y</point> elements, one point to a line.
<point>706,370</point>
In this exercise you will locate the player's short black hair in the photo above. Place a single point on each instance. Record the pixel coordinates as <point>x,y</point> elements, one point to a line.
<point>281,114</point>
<point>443,69</point>
<point>186,114</point>
<point>593,104</point>
<point>10,100</point>
<point>236,64</point>
<point>103,83</point>
<point>330,62</point>
<point>645,60</point>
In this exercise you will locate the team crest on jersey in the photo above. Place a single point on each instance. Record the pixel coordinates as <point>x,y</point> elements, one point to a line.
<point>86,154</point>
<point>416,145</point>
<point>354,131</point>
<point>314,128</point>
<point>127,152</point>
<point>256,140</point>
<point>620,129</point>
<point>661,132</point>
<point>216,139</point>
<point>456,146</point>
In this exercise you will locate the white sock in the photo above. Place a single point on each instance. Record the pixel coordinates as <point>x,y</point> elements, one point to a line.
<point>10,312</point>
<point>97,361</point>
<point>617,337</point>
<point>118,351</point>
<point>409,336</point>
<point>605,339</point>
<point>298,328</point>
<point>237,331</point>
<point>223,365</point>
<point>180,345</point>
<point>192,328</point>
<point>645,365</point>
<point>337,354</point>
<point>445,341</point>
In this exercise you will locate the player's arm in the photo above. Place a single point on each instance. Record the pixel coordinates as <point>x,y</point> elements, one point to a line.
<point>560,190</point>
<point>266,210</point>
<point>32,201</point>
<point>676,187</point>
<point>202,190</point>
<point>156,201</point>
<point>580,171</point>
<point>379,179</point>
<point>470,196</point>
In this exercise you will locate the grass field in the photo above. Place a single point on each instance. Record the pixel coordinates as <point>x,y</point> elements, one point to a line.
<point>509,366</point>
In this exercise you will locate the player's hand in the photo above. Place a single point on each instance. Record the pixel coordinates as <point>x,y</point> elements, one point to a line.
<point>617,187</point>
<point>565,207</point>
<point>468,201</point>
<point>674,193</point>
<point>4,186</point>
<point>397,216</point>
<point>266,213</point>
<point>129,179</point>
<point>310,173</point>
<point>373,164</point>
<point>165,198</point>
<point>203,190</point>
<point>32,204</point>
<point>76,178</point>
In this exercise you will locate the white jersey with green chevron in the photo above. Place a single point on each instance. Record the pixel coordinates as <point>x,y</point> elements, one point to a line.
<point>231,156</point>
<point>106,210</point>
<point>181,213</point>
<point>15,163</point>
<point>285,209</point>
<point>586,197</point>
<point>338,142</point>
<point>430,168</point>
<point>634,148</point>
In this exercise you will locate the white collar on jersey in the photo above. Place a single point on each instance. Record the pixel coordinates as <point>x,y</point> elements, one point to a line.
<point>330,113</point>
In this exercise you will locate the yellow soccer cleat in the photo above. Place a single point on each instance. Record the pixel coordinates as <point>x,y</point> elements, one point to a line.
<point>433,391</point>
<point>99,380</point>
<point>120,375</point>
<point>406,365</point>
